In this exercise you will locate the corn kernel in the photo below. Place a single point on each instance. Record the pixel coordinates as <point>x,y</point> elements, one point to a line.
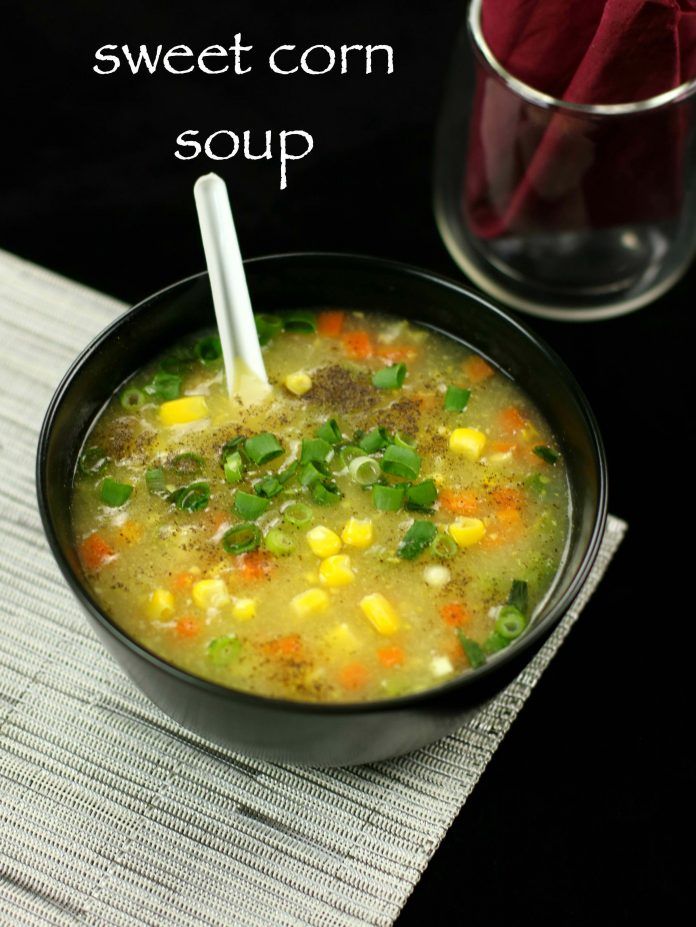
<point>160,605</point>
<point>244,609</point>
<point>210,593</point>
<point>467,531</point>
<point>323,541</point>
<point>298,383</point>
<point>309,601</point>
<point>357,533</point>
<point>467,441</point>
<point>342,638</point>
<point>181,411</point>
<point>336,571</point>
<point>380,613</point>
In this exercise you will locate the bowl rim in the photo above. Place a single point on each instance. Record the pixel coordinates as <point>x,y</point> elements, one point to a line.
<point>524,643</point>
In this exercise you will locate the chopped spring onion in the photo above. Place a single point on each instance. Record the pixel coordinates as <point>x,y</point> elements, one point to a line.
<point>155,482</point>
<point>132,398</point>
<point>419,536</point>
<point>329,431</point>
<point>179,360</point>
<point>241,538</point>
<point>248,506</point>
<point>421,496</point>
<point>229,446</point>
<point>388,498</point>
<point>233,467</point>
<point>365,470</point>
<point>298,514</point>
<point>389,377</point>
<point>268,487</point>
<point>92,461</point>
<point>315,450</point>
<point>519,595</point>
<point>474,652</point>
<point>267,327</point>
<point>114,493</point>
<point>546,454</point>
<point>300,321</point>
<point>279,543</point>
<point>187,463</point>
<point>191,498</point>
<point>374,440</point>
<point>262,448</point>
<point>312,472</point>
<point>401,461</point>
<point>209,350</point>
<point>403,441</point>
<point>348,453</point>
<point>164,387</point>
<point>224,650</point>
<point>456,398</point>
<point>444,547</point>
<point>326,493</point>
<point>494,642</point>
<point>510,622</point>
<point>284,476</point>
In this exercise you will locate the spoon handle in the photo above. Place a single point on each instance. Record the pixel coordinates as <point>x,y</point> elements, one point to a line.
<point>235,317</point>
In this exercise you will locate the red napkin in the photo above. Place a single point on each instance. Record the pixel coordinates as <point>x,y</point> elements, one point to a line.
<point>529,169</point>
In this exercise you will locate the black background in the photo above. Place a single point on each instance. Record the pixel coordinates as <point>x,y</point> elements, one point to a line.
<point>584,809</point>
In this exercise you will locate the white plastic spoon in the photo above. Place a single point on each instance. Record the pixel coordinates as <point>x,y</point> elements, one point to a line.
<point>241,350</point>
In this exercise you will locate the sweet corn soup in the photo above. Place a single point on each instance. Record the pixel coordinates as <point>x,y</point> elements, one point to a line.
<point>387,517</point>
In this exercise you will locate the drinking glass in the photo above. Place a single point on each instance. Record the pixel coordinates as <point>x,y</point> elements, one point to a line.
<point>565,210</point>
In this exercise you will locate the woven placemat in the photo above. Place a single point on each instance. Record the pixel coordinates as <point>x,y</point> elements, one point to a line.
<point>110,813</point>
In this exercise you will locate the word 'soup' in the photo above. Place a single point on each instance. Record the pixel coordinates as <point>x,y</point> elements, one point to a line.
<point>224,144</point>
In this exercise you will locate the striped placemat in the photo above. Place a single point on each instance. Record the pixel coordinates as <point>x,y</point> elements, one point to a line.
<point>110,813</point>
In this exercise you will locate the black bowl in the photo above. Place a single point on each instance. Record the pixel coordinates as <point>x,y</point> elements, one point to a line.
<point>323,735</point>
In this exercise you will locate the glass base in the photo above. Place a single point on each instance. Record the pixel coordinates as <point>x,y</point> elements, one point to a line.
<point>585,276</point>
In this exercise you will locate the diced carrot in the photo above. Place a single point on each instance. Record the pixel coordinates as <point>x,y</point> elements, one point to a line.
<point>453,650</point>
<point>477,369</point>
<point>501,447</point>
<point>511,420</point>
<point>509,518</point>
<point>505,526</point>
<point>95,552</point>
<point>454,614</point>
<point>391,656</point>
<point>396,353</point>
<point>130,531</point>
<point>182,581</point>
<point>353,676</point>
<point>357,345</point>
<point>507,498</point>
<point>257,564</point>
<point>289,646</point>
<point>330,324</point>
<point>187,626</point>
<point>460,502</point>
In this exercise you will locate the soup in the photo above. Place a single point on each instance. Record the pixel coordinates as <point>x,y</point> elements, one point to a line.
<point>389,516</point>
